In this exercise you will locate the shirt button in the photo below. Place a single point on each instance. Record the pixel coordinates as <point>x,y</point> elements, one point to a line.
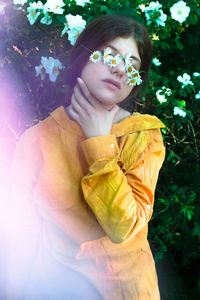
<point>112,145</point>
<point>148,206</point>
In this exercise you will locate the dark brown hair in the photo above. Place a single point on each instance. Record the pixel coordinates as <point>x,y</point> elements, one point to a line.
<point>101,31</point>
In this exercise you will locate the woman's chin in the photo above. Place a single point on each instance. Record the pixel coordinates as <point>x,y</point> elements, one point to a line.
<point>106,100</point>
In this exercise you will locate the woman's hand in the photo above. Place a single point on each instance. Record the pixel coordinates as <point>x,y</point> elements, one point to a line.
<point>92,116</point>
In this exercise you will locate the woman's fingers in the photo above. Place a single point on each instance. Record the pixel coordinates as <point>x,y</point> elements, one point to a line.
<point>81,99</point>
<point>72,113</point>
<point>74,106</point>
<point>87,93</point>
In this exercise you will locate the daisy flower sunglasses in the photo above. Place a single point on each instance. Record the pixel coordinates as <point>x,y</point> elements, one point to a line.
<point>112,60</point>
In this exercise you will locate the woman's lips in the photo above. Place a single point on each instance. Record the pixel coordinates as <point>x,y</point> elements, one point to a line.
<point>113,84</point>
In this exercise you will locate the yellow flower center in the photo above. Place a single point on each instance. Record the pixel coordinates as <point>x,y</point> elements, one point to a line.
<point>57,6</point>
<point>132,81</point>
<point>135,75</point>
<point>32,13</point>
<point>96,56</point>
<point>113,61</point>
<point>129,69</point>
<point>180,12</point>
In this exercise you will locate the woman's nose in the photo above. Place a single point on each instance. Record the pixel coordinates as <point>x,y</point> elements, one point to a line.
<point>120,68</point>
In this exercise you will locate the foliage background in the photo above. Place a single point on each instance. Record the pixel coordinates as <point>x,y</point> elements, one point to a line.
<point>174,230</point>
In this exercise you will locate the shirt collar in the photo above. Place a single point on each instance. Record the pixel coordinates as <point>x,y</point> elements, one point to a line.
<point>130,124</point>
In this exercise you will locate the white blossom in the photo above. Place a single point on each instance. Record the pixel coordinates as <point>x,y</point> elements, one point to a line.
<point>52,68</point>
<point>55,6</point>
<point>36,5</point>
<point>197,96</point>
<point>33,13</point>
<point>73,34</point>
<point>20,2</point>
<point>96,56</point>
<point>65,29</point>
<point>196,74</point>
<point>128,60</point>
<point>161,94</point>
<point>156,62</point>
<point>178,111</point>
<point>40,71</point>
<point>142,7</point>
<point>74,26</point>
<point>154,11</point>
<point>49,65</point>
<point>152,6</point>
<point>185,80</point>
<point>179,11</point>
<point>107,55</point>
<point>160,21</point>
<point>135,79</point>
<point>75,22</point>
<point>47,20</point>
<point>82,2</point>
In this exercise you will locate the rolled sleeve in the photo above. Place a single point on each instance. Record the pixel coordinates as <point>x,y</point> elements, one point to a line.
<point>100,147</point>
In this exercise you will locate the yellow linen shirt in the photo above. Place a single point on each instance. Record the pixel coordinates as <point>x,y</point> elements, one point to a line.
<point>95,197</point>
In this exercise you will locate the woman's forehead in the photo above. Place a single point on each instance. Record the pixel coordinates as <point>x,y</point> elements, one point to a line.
<point>124,46</point>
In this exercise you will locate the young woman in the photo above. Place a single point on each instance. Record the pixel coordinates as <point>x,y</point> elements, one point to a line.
<point>85,178</point>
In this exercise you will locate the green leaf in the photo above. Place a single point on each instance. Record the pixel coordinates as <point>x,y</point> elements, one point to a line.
<point>179,45</point>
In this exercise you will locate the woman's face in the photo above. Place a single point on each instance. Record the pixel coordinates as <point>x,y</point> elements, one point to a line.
<point>109,85</point>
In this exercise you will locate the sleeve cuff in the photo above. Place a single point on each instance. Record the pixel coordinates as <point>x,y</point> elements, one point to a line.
<point>100,147</point>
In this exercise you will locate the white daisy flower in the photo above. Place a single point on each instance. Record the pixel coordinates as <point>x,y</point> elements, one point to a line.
<point>115,60</point>
<point>107,55</point>
<point>130,70</point>
<point>135,79</point>
<point>96,56</point>
<point>128,59</point>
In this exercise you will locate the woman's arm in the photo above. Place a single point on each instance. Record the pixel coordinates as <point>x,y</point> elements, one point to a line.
<point>121,199</point>
<point>122,196</point>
